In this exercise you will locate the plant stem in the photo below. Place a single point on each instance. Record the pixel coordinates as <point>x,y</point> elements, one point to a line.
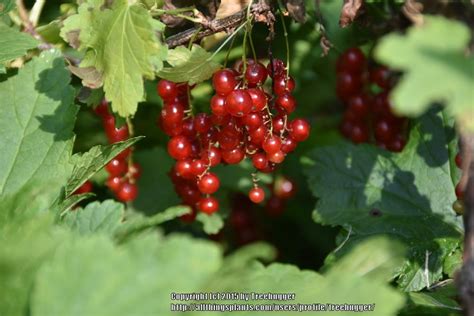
<point>36,12</point>
<point>226,41</point>
<point>285,34</point>
<point>158,12</point>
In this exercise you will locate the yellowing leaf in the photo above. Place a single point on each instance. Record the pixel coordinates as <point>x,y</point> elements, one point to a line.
<point>122,44</point>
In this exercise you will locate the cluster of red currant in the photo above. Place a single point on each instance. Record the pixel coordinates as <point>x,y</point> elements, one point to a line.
<point>246,121</point>
<point>123,172</point>
<point>365,112</point>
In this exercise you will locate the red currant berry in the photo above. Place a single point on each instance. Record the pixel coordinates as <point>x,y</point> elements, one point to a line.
<point>352,60</point>
<point>347,85</point>
<point>278,67</point>
<point>172,113</point>
<point>396,144</point>
<point>184,169</point>
<point>288,145</point>
<point>212,156</point>
<point>86,187</point>
<point>276,157</point>
<point>252,120</point>
<point>359,106</point>
<point>260,161</point>
<point>179,147</point>
<point>217,105</point>
<point>257,195</point>
<point>208,205</point>
<point>190,217</point>
<point>278,123</point>
<point>271,144</point>
<point>202,123</point>
<point>116,167</point>
<point>198,167</point>
<point>286,102</point>
<point>282,84</point>
<point>284,188</point>
<point>275,206</point>
<point>166,89</point>
<point>115,134</point>
<point>113,183</point>
<point>238,103</point>
<point>233,156</point>
<point>102,109</point>
<point>127,192</point>
<point>359,133</point>
<point>381,77</point>
<point>189,194</point>
<point>209,183</point>
<point>384,130</point>
<point>299,129</point>
<point>256,74</point>
<point>259,99</point>
<point>224,81</point>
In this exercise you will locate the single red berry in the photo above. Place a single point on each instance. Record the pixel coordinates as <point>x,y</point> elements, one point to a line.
<point>187,128</point>
<point>127,192</point>
<point>227,140</point>
<point>116,167</point>
<point>189,193</point>
<point>217,105</point>
<point>212,156</point>
<point>179,147</point>
<point>286,102</point>
<point>172,113</point>
<point>238,103</point>
<point>256,73</point>
<point>276,157</point>
<point>396,144</point>
<point>115,134</point>
<point>381,77</point>
<point>271,144</point>
<point>166,89</point>
<point>190,217</point>
<point>278,68</point>
<point>259,99</point>
<point>252,120</point>
<point>208,205</point>
<point>282,84</point>
<point>258,135</point>
<point>288,145</point>
<point>86,187</point>
<point>384,130</point>
<point>352,60</point>
<point>278,123</point>
<point>184,169</point>
<point>224,81</point>
<point>260,161</point>
<point>284,188</point>
<point>198,166</point>
<point>346,127</point>
<point>359,133</point>
<point>299,129</point>
<point>209,183</point>
<point>348,85</point>
<point>114,182</point>
<point>102,109</point>
<point>233,156</point>
<point>202,122</point>
<point>257,195</point>
<point>359,106</point>
<point>381,106</point>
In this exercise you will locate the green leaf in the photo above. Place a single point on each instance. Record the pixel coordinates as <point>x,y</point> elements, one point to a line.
<point>139,222</point>
<point>431,304</point>
<point>6,6</point>
<point>192,66</point>
<point>87,164</point>
<point>14,44</point>
<point>36,120</point>
<point>453,262</point>
<point>211,224</point>
<point>120,41</point>
<point>96,217</point>
<point>425,54</point>
<point>407,196</point>
<point>135,279</point>
<point>27,238</point>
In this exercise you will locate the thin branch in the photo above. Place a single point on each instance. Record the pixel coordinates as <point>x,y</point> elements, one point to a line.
<point>219,25</point>
<point>36,12</point>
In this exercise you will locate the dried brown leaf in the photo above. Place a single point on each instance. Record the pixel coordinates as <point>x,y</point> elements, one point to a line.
<point>349,11</point>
